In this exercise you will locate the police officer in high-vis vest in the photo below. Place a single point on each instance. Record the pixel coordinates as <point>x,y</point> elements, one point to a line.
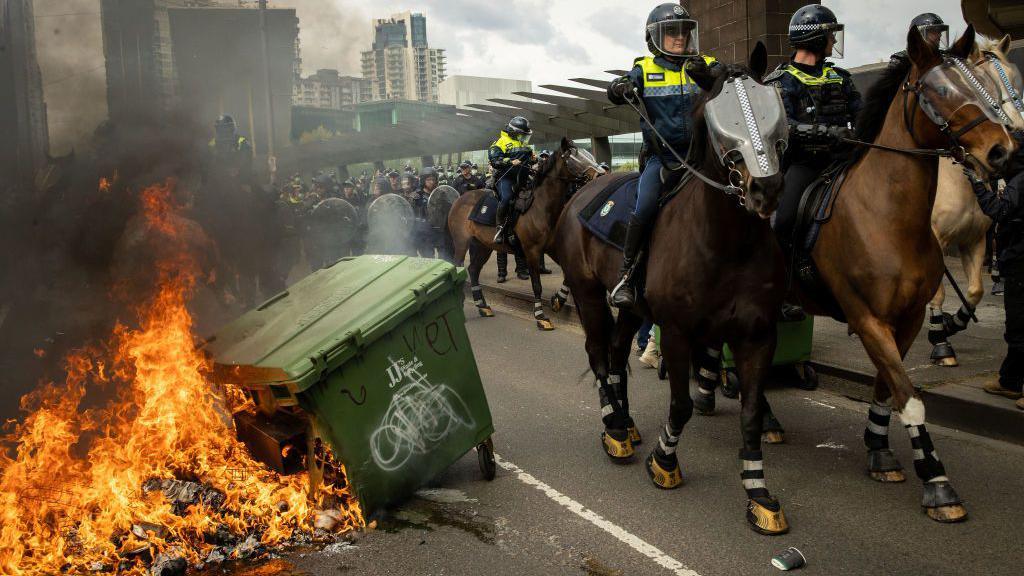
<point>510,156</point>
<point>661,84</point>
<point>821,105</point>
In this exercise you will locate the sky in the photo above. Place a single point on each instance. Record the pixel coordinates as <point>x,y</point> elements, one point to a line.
<point>545,41</point>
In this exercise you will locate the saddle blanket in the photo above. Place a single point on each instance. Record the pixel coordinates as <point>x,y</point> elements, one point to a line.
<point>486,210</point>
<point>607,215</point>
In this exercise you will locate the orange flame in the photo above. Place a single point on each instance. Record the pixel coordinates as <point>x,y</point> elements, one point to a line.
<point>72,475</point>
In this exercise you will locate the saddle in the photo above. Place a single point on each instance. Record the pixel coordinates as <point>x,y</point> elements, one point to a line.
<point>814,210</point>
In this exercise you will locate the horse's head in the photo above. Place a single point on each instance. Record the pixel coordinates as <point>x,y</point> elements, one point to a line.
<point>570,163</point>
<point>961,103</point>
<point>992,60</point>
<point>746,128</point>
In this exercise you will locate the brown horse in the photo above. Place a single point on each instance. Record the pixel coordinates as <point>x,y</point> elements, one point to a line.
<point>877,255</point>
<point>566,167</point>
<point>715,274</point>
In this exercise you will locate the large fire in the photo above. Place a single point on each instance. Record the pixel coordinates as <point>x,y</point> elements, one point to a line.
<point>134,455</point>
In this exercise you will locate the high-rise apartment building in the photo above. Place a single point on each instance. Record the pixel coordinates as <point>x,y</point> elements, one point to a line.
<point>401,65</point>
<point>329,90</point>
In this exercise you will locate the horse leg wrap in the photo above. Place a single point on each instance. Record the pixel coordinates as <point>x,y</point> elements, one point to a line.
<point>478,296</point>
<point>936,329</point>
<point>663,465</point>
<point>958,323</point>
<point>708,364</point>
<point>538,310</point>
<point>619,383</point>
<point>926,462</point>
<point>753,474</point>
<point>563,294</point>
<point>665,451</point>
<point>876,434</point>
<point>612,413</point>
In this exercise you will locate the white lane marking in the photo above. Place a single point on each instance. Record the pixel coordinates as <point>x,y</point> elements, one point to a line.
<point>634,542</point>
<point>832,445</point>
<point>829,406</point>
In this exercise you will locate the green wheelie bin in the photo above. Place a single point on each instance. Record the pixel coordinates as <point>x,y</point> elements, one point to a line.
<point>370,357</point>
<point>793,348</point>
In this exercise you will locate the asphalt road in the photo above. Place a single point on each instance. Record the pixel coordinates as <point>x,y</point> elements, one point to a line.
<point>559,506</point>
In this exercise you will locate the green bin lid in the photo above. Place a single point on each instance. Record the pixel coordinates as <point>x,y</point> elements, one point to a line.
<point>322,321</point>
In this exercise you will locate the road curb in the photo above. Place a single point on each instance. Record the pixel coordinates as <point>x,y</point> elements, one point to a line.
<point>952,405</point>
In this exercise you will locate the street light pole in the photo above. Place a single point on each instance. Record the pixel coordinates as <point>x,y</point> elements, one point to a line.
<point>271,160</point>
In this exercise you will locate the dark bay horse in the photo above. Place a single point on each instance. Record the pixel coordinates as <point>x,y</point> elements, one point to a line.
<point>877,255</point>
<point>551,187</point>
<point>715,274</point>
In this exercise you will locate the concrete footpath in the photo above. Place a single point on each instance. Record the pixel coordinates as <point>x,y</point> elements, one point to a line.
<point>954,396</point>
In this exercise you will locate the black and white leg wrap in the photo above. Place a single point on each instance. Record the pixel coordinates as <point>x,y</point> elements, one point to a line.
<point>611,410</point>
<point>753,474</point>
<point>876,434</point>
<point>563,293</point>
<point>707,365</point>
<point>538,310</point>
<point>958,323</point>
<point>926,462</point>
<point>619,383</point>
<point>667,442</point>
<point>936,328</point>
<point>478,296</point>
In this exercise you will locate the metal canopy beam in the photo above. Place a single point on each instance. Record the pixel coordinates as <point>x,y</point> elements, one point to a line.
<point>584,110</point>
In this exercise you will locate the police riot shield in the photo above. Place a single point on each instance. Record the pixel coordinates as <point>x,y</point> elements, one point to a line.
<point>336,217</point>
<point>390,224</point>
<point>439,204</point>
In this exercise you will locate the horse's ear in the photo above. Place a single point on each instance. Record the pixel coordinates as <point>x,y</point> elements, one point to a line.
<point>923,54</point>
<point>759,60</point>
<point>567,144</point>
<point>701,73</point>
<point>1003,47</point>
<point>965,45</point>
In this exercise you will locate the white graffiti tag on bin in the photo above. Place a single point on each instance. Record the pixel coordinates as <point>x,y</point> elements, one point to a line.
<point>420,416</point>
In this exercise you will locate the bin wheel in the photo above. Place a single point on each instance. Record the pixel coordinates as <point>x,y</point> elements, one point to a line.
<point>485,455</point>
<point>730,384</point>
<point>808,376</point>
<point>662,369</point>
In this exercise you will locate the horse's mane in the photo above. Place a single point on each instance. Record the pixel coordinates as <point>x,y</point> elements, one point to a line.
<point>699,153</point>
<point>876,104</point>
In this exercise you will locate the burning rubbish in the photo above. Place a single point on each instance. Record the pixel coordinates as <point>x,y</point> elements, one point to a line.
<point>130,465</point>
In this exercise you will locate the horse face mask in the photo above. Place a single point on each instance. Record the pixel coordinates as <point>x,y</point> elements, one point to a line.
<point>748,119</point>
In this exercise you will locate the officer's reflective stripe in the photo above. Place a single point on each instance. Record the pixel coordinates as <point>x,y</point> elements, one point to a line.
<point>657,77</point>
<point>828,76</point>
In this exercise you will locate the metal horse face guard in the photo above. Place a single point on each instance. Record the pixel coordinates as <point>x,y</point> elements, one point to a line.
<point>581,164</point>
<point>747,122</point>
<point>1007,76</point>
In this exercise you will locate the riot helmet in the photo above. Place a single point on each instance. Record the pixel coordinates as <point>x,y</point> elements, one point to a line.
<point>519,128</point>
<point>225,130</point>
<point>813,27</point>
<point>932,29</point>
<point>671,33</point>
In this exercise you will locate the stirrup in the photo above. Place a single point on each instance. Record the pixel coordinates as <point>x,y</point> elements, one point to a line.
<point>499,236</point>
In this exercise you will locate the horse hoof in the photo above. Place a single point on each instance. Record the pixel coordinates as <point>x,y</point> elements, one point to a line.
<point>634,436</point>
<point>765,516</point>
<point>617,445</point>
<point>557,303</point>
<point>950,362</point>
<point>773,437</point>
<point>947,514</point>
<point>545,325</point>
<point>664,479</point>
<point>884,467</point>
<point>486,311</point>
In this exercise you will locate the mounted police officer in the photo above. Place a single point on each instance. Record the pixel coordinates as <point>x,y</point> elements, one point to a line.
<point>510,155</point>
<point>932,29</point>
<point>821,105</point>
<point>661,84</point>
<point>466,181</point>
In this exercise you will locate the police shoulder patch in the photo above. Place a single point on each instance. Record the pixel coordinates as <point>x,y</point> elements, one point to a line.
<point>607,208</point>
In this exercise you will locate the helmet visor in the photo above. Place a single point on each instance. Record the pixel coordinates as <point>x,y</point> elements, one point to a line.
<point>935,34</point>
<point>675,37</point>
<point>835,34</point>
<point>525,138</point>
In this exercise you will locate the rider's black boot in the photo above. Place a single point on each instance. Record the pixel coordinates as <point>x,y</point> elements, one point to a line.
<point>624,293</point>
<point>499,237</point>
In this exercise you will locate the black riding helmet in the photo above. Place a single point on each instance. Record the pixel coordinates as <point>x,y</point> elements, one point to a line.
<point>666,23</point>
<point>933,29</point>
<point>519,128</point>
<point>811,26</point>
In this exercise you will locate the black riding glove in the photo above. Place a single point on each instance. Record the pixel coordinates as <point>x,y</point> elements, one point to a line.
<point>621,89</point>
<point>811,131</point>
<point>839,133</point>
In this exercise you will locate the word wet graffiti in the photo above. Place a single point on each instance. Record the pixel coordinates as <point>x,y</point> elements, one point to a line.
<point>420,416</point>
